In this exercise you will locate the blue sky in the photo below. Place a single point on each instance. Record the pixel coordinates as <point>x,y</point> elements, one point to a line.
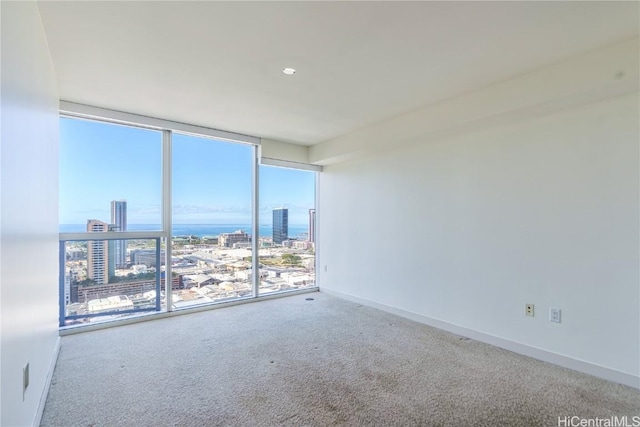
<point>211,179</point>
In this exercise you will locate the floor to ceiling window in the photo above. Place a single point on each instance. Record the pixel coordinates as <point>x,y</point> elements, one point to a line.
<point>211,220</point>
<point>110,183</point>
<point>287,229</point>
<point>144,202</point>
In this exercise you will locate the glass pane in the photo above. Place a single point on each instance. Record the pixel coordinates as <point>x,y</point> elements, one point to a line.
<point>211,220</point>
<point>110,174</point>
<point>287,229</point>
<point>94,290</point>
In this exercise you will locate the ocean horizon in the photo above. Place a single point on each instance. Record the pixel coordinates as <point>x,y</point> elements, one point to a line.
<point>200,230</point>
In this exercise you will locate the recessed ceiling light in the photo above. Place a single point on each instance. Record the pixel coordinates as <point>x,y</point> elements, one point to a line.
<point>289,71</point>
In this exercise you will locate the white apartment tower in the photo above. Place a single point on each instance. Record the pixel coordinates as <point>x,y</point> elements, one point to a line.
<point>98,253</point>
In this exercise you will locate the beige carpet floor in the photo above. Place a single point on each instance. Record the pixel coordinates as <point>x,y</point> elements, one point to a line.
<point>321,362</point>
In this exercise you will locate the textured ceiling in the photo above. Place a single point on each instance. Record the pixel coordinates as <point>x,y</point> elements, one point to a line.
<point>218,64</point>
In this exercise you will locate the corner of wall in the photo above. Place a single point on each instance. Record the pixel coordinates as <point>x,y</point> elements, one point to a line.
<point>283,151</point>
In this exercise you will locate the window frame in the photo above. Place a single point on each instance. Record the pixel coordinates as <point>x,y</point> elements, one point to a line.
<point>167,129</point>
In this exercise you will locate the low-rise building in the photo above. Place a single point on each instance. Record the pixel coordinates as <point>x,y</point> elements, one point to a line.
<point>226,240</point>
<point>243,275</point>
<point>113,303</point>
<point>298,279</point>
<point>298,244</point>
<point>146,257</point>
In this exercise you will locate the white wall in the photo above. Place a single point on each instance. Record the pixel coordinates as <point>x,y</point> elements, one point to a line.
<point>29,212</point>
<point>463,231</point>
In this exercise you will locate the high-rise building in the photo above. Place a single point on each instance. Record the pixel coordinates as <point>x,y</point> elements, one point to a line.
<point>119,223</point>
<point>280,225</point>
<point>112,253</point>
<point>312,225</point>
<point>98,253</point>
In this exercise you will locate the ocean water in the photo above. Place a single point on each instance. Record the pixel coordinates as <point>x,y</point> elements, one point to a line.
<point>295,231</point>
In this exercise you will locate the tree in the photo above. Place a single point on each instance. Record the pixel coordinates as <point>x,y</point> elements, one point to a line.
<point>291,259</point>
<point>87,282</point>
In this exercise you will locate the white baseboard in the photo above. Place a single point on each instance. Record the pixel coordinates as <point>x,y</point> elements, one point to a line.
<point>47,383</point>
<point>524,349</point>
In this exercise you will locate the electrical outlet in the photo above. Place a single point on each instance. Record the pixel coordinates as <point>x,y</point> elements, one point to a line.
<point>325,268</point>
<point>25,379</point>
<point>528,310</point>
<point>555,315</point>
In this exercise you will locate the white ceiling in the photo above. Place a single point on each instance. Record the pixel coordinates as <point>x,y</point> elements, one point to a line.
<point>219,64</point>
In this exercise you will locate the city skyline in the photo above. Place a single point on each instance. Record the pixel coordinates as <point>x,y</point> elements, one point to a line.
<point>211,179</point>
